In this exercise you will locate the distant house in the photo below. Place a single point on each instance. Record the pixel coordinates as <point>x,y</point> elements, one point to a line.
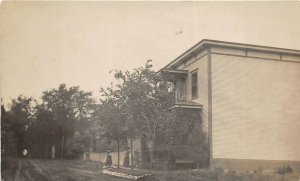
<point>248,97</point>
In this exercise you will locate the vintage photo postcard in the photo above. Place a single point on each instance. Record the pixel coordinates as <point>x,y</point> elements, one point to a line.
<point>150,90</point>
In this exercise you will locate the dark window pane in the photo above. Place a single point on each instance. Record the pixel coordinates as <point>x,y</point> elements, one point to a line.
<point>194,85</point>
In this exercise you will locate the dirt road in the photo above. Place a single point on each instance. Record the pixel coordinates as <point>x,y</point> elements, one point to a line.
<point>16,169</point>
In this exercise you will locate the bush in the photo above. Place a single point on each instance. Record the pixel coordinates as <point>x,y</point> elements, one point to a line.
<point>219,170</point>
<point>210,174</point>
<point>230,175</point>
<point>148,178</point>
<point>284,170</point>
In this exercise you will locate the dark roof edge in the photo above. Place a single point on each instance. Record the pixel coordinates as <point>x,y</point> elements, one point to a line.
<point>209,42</point>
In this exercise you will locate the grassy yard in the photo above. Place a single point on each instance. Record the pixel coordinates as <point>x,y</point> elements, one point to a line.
<point>215,175</point>
<point>209,175</point>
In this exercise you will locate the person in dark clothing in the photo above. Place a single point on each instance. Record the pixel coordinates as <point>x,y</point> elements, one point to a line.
<point>126,158</point>
<point>108,161</point>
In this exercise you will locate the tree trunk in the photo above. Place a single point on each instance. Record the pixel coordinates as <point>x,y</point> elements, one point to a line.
<point>46,151</point>
<point>118,152</point>
<point>18,153</point>
<point>62,144</point>
<point>131,155</point>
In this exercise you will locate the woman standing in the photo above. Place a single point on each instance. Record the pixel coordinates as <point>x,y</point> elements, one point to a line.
<point>126,158</point>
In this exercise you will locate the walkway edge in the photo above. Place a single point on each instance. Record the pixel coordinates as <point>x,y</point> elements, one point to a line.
<point>122,175</point>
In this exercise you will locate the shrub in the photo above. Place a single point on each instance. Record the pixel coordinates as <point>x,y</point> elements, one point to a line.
<point>284,170</point>
<point>219,170</point>
<point>231,175</point>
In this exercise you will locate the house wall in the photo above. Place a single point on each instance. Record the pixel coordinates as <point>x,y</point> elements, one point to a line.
<point>255,107</point>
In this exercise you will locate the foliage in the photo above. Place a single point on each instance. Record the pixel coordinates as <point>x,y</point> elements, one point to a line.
<point>145,155</point>
<point>67,106</point>
<point>181,139</point>
<point>16,122</point>
<point>285,169</point>
<point>140,99</point>
<point>37,126</point>
<point>136,104</point>
<point>43,133</point>
<point>78,145</point>
<point>139,102</point>
<point>111,120</point>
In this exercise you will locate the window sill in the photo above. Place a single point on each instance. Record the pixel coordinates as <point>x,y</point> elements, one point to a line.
<point>194,97</point>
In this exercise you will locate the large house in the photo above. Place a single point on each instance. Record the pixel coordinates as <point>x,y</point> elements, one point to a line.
<point>249,100</point>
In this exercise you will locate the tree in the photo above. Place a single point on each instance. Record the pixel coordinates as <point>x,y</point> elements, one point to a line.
<point>67,105</point>
<point>141,100</point>
<point>144,100</point>
<point>5,128</point>
<point>182,137</point>
<point>37,127</point>
<point>111,120</point>
<point>43,133</point>
<point>19,119</point>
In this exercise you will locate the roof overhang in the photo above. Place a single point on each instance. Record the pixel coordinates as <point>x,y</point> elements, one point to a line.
<point>174,74</point>
<point>205,43</point>
<point>187,105</point>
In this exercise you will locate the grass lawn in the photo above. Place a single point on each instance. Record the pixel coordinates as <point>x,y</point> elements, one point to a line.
<point>75,170</point>
<point>208,175</point>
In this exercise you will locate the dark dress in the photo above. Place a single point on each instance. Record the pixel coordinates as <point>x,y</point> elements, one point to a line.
<point>108,161</point>
<point>126,159</point>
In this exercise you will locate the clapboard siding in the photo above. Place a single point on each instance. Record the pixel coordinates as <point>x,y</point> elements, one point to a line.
<point>255,108</point>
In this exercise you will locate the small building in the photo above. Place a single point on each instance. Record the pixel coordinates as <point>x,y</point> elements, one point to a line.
<point>248,97</point>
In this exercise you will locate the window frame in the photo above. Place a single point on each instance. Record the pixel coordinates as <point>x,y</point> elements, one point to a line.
<point>193,85</point>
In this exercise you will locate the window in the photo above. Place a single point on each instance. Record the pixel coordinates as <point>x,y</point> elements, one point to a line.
<point>194,84</point>
<point>180,92</point>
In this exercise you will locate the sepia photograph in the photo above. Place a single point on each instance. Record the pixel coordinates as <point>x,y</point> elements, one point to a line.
<point>150,90</point>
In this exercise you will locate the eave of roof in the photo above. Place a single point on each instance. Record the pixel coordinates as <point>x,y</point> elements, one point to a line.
<point>187,105</point>
<point>176,71</point>
<point>215,43</point>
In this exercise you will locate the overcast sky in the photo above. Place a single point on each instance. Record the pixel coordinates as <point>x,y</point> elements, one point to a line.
<point>43,44</point>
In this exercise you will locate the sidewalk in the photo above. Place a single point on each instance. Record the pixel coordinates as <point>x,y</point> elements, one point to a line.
<point>140,174</point>
<point>125,172</point>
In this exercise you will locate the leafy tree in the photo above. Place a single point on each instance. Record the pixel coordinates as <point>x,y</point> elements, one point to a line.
<point>67,105</point>
<point>5,129</point>
<point>43,133</point>
<point>18,120</point>
<point>37,127</point>
<point>111,120</point>
<point>144,100</point>
<point>141,101</point>
<point>182,137</point>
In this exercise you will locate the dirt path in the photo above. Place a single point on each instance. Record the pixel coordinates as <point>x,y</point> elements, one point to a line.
<point>17,169</point>
<point>20,170</point>
<point>27,171</point>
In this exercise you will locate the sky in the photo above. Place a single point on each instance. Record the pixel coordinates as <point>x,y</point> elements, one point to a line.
<point>43,44</point>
